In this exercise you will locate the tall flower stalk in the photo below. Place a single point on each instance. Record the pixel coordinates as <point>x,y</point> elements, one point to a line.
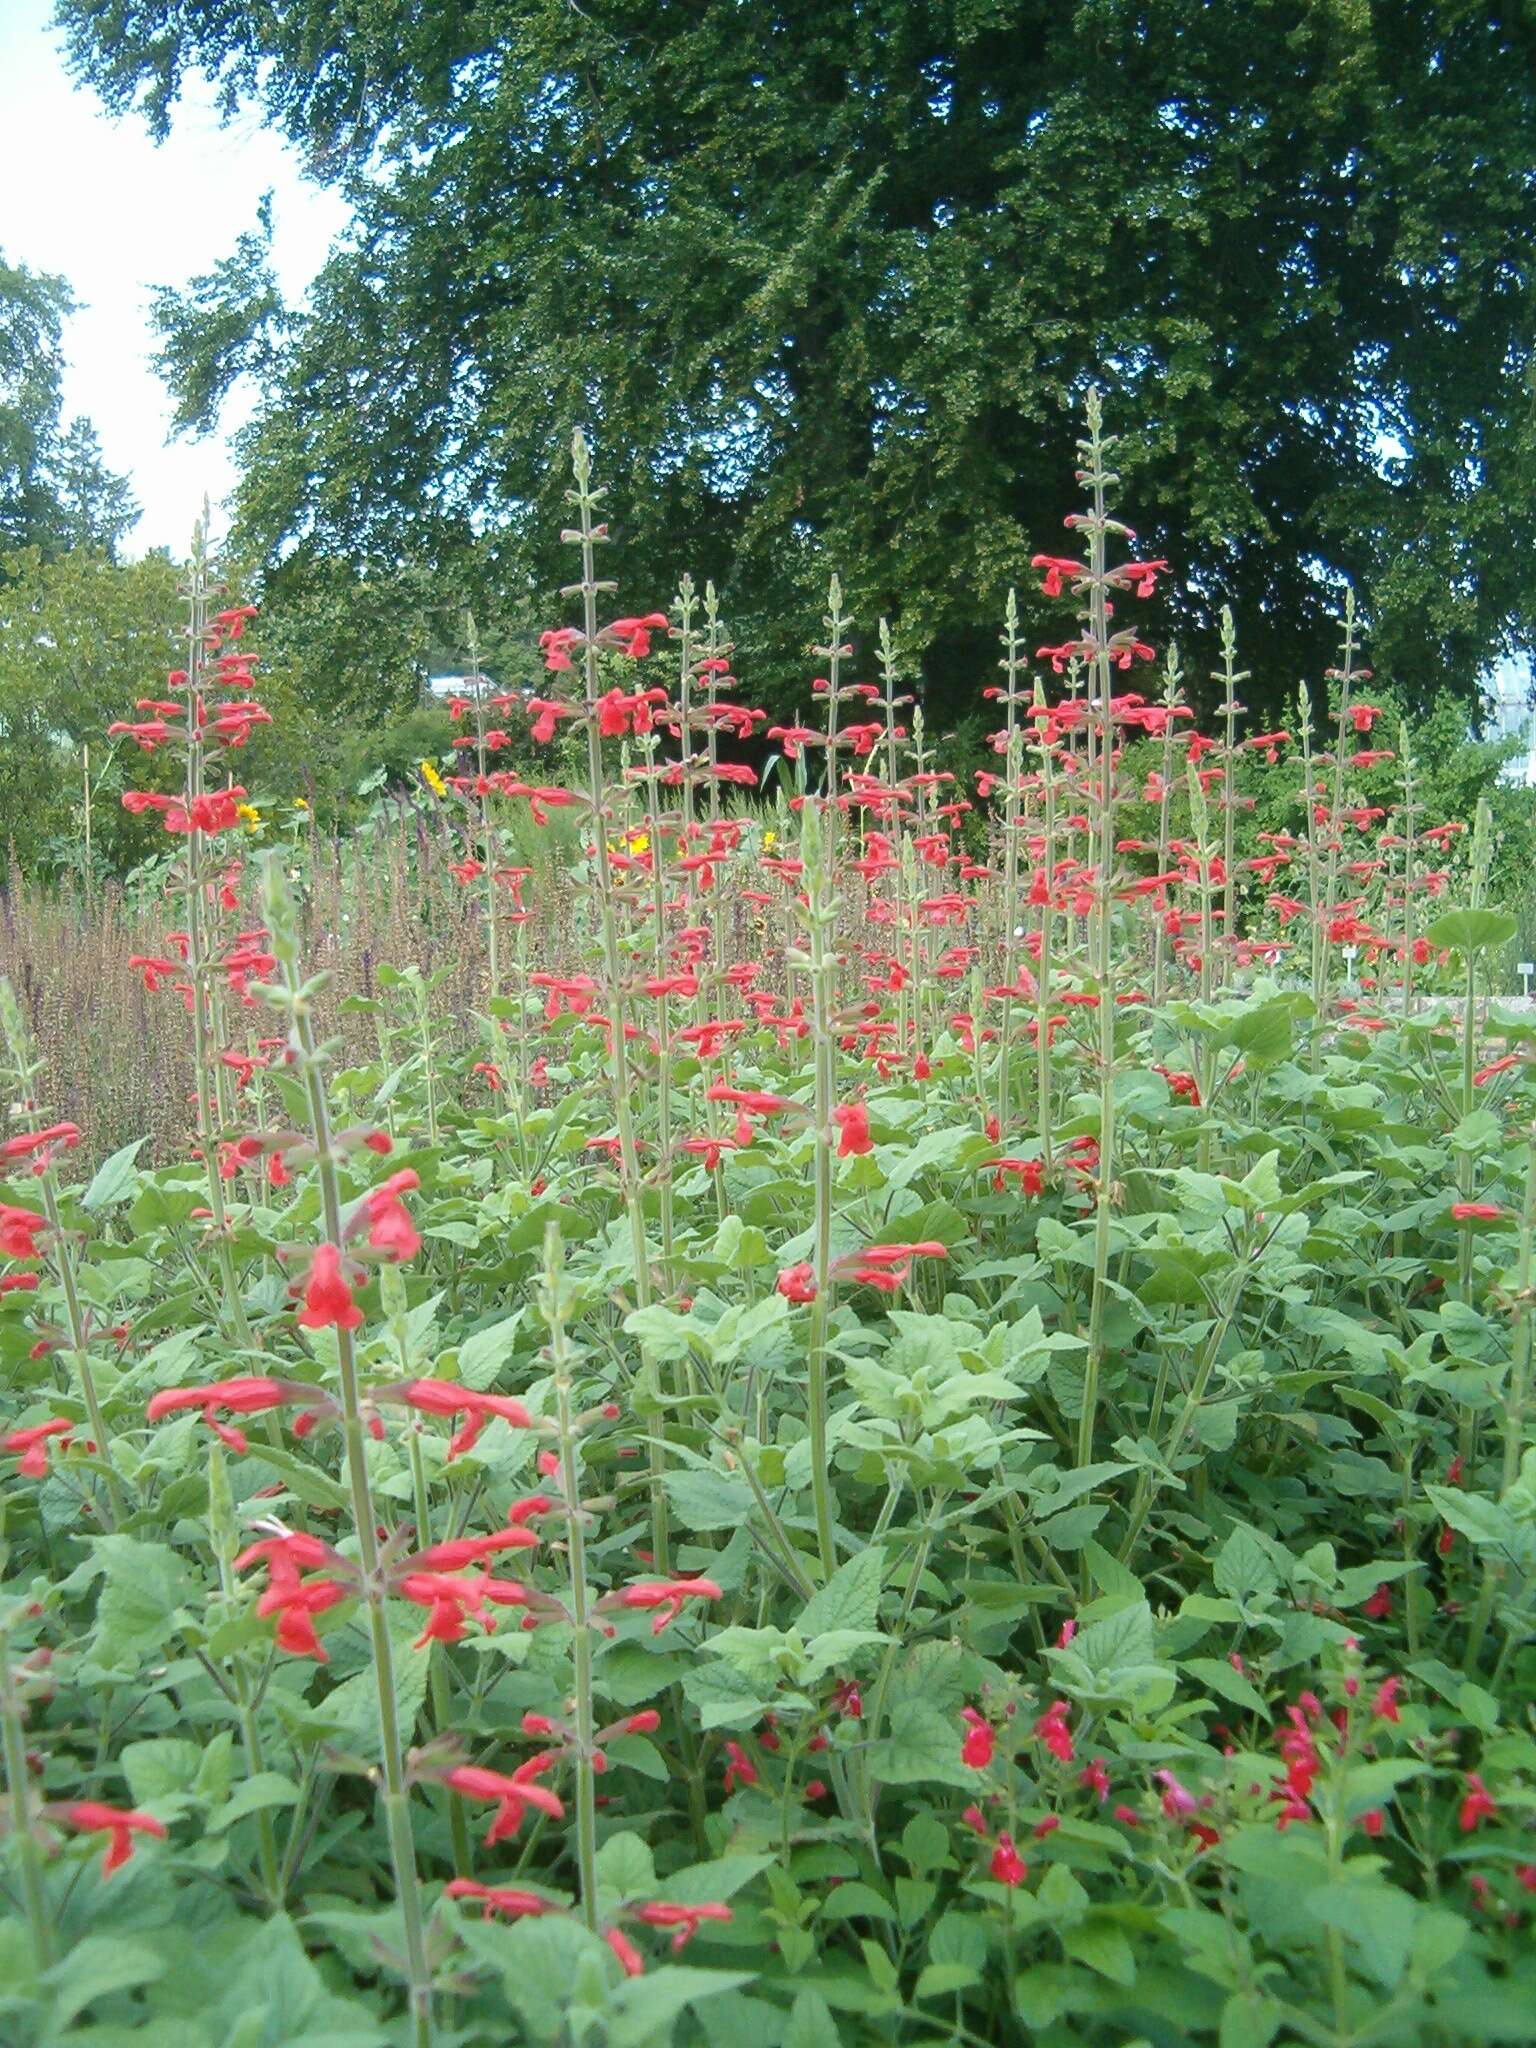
<point>296,997</point>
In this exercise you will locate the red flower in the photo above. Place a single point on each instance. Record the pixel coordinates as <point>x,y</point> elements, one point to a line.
<point>450,1596</point>
<point>390,1228</point>
<point>886,1266</point>
<point>460,1551</point>
<point>32,1445</point>
<point>1384,1703</point>
<point>739,1769</point>
<point>1094,1778</point>
<point>687,1920</point>
<point>980,1742</point>
<point>446,1397</point>
<point>1476,1212</point>
<point>1030,1174</point>
<point>513,1795</point>
<point>1476,1805</point>
<point>630,1960</point>
<point>253,1396</point>
<point>797,1283</point>
<point>328,1302</point>
<point>1051,1729</point>
<point>1379,1606</point>
<point>19,1229</point>
<point>665,1596</point>
<point>293,1599</point>
<point>498,1898</point>
<point>90,1816</point>
<point>1007,1866</point>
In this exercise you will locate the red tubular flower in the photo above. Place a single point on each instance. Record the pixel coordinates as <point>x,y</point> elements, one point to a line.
<point>1476,1212</point>
<point>887,1267</point>
<point>31,1445</point>
<point>451,1595</point>
<point>1030,1174</point>
<point>513,1795</point>
<point>1095,1778</point>
<point>390,1229</point>
<point>446,1397</point>
<point>499,1898</point>
<point>1007,1866</point>
<point>852,1120</point>
<point>663,1596</point>
<point>461,1551</point>
<point>630,1960</point>
<point>120,1824</point>
<point>328,1303</point>
<point>1476,1805</point>
<point>686,1920</point>
<point>980,1742</point>
<point>253,1396</point>
<point>1384,1701</point>
<point>797,1283</point>
<point>42,1144</point>
<point>739,1769</point>
<point>1051,1729</point>
<point>18,1283</point>
<point>19,1230</point>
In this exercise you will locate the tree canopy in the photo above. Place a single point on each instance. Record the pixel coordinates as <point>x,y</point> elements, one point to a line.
<point>55,490</point>
<point>825,280</point>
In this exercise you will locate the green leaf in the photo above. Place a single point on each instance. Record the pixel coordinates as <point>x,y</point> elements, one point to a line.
<point>1103,1946</point>
<point>625,1866</point>
<point>115,1179</point>
<point>642,2009</point>
<point>1482,1521</point>
<point>1244,1569</point>
<point>484,1352</point>
<point>706,1499</point>
<point>723,1697</point>
<point>254,1795</point>
<point>1217,1676</point>
<point>849,1599</point>
<point>1472,931</point>
<point>923,1747</point>
<point>95,1968</point>
<point>353,1709</point>
<point>810,2024</point>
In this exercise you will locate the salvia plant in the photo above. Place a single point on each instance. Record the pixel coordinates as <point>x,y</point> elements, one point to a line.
<point>928,1439</point>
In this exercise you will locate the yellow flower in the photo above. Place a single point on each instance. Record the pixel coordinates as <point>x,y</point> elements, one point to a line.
<point>770,839</point>
<point>639,842</point>
<point>251,816</point>
<point>301,803</point>
<point>432,779</point>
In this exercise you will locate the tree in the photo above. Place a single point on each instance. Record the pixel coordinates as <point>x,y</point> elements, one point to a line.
<point>81,638</point>
<point>826,283</point>
<point>55,490</point>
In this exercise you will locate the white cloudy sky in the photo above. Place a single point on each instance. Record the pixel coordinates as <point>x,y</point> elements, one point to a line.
<point>94,200</point>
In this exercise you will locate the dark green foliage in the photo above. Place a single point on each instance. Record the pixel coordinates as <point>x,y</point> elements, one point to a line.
<point>55,490</point>
<point>826,280</point>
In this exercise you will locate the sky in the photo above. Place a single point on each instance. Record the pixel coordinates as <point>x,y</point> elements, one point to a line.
<point>92,199</point>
